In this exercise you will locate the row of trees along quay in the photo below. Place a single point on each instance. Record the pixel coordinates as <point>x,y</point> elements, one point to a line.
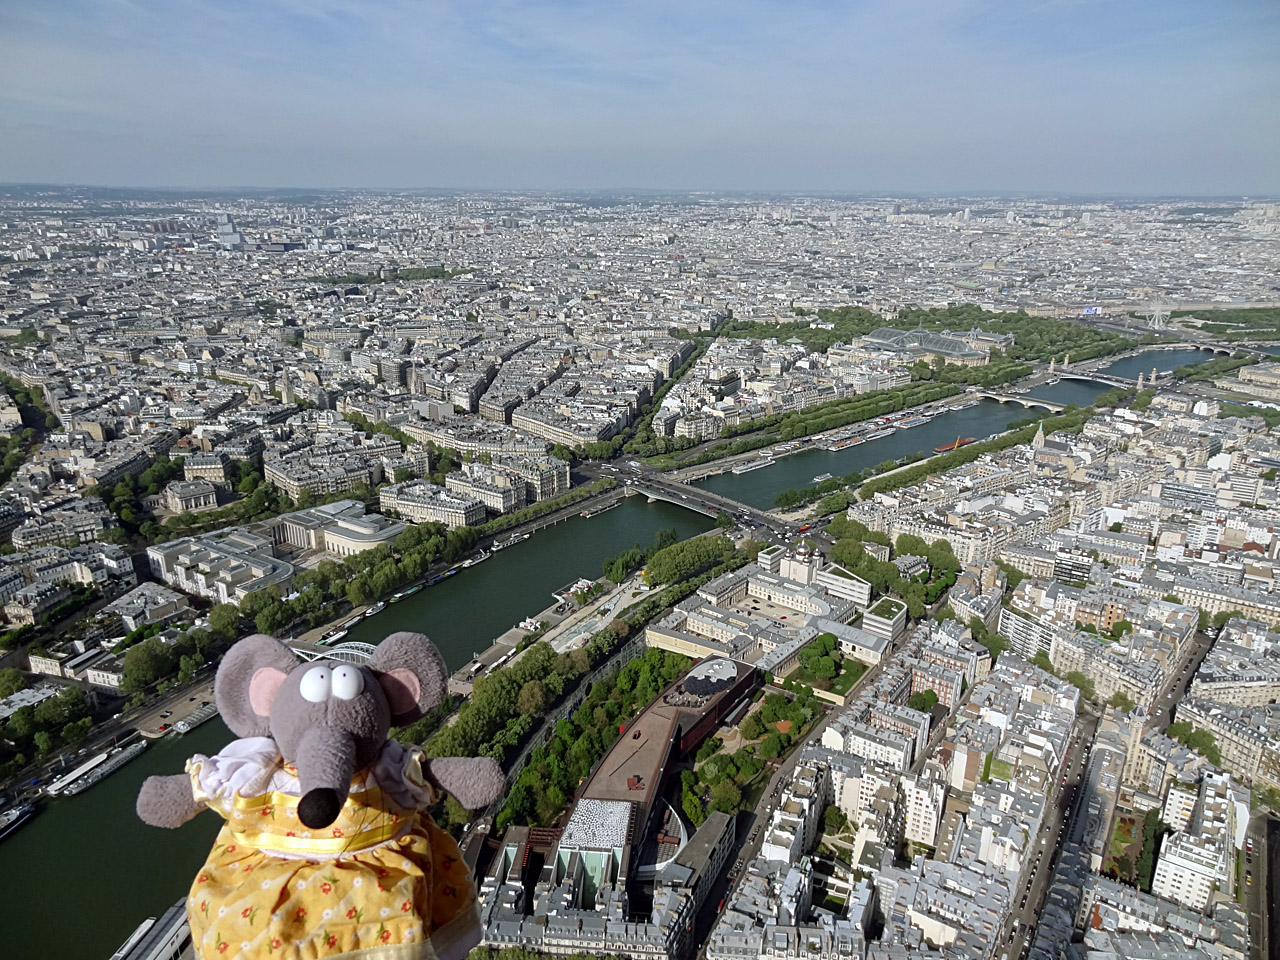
<point>1037,340</point>
<point>507,704</point>
<point>322,595</point>
<point>835,494</point>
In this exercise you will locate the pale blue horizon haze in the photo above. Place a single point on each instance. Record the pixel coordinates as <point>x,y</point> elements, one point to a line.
<point>945,96</point>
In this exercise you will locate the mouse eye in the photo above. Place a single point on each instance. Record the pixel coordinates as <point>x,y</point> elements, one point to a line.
<point>315,685</point>
<point>348,682</point>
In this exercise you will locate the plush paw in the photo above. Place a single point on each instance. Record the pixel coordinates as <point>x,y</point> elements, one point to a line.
<point>166,801</point>
<point>474,782</point>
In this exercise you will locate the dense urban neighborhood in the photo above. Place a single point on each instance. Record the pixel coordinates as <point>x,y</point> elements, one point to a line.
<point>1007,696</point>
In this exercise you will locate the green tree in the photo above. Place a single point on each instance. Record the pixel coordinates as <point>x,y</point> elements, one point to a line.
<point>1122,701</point>
<point>1220,619</point>
<point>44,742</point>
<point>723,520</point>
<point>1041,660</point>
<point>922,700</point>
<point>771,746</point>
<point>725,797</point>
<point>1083,684</point>
<point>834,819</point>
<point>532,699</point>
<point>224,620</point>
<point>146,663</point>
<point>692,807</point>
<point>752,728</point>
<point>11,681</point>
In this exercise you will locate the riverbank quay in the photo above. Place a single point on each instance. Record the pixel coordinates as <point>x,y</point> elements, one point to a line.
<point>158,720</point>
<point>485,544</point>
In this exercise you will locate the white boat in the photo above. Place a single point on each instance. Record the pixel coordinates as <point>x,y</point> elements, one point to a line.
<point>481,557</point>
<point>15,817</point>
<point>821,477</point>
<point>55,788</point>
<point>753,465</point>
<point>187,724</point>
<point>376,609</point>
<point>509,541</point>
<point>886,432</point>
<point>334,637</point>
<point>86,775</point>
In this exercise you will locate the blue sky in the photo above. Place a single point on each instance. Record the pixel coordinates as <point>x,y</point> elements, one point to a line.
<point>1085,96</point>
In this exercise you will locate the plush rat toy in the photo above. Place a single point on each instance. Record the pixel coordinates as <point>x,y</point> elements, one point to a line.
<point>326,850</point>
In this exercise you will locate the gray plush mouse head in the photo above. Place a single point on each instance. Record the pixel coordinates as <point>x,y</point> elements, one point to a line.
<point>329,719</point>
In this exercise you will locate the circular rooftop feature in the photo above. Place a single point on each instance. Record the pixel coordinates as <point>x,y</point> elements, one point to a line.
<point>710,677</point>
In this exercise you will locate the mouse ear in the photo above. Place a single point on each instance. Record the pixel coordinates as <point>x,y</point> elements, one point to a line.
<point>248,678</point>
<point>412,675</point>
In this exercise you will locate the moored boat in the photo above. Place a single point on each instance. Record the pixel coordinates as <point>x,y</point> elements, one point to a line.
<point>15,817</point>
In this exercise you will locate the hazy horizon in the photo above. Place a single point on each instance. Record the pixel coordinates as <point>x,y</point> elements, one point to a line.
<point>1073,98</point>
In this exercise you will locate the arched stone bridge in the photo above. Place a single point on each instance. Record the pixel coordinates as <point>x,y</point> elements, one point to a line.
<point>1026,401</point>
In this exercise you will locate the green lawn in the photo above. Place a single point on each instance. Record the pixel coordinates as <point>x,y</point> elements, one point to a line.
<point>1001,770</point>
<point>851,672</point>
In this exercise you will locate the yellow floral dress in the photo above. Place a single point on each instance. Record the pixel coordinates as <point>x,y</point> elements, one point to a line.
<point>383,881</point>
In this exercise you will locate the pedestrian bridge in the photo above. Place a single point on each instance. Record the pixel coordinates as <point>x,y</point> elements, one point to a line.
<point>1026,401</point>
<point>350,652</point>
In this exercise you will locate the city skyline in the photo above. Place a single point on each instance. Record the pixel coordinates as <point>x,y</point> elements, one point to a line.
<point>1066,98</point>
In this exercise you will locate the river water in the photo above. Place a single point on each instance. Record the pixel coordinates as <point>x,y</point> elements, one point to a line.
<point>1162,360</point>
<point>465,613</point>
<point>79,876</point>
<point>758,488</point>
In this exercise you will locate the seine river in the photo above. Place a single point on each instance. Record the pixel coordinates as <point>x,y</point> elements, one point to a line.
<point>758,488</point>
<point>1162,360</point>
<point>76,879</point>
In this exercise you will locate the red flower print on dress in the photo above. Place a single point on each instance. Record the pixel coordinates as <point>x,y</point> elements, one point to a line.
<point>326,888</point>
<point>247,912</point>
<point>222,946</point>
<point>331,941</point>
<point>290,833</point>
<point>406,906</point>
<point>386,936</point>
<point>300,913</point>
<point>203,878</point>
<point>274,945</point>
<point>231,848</point>
<point>337,831</point>
<point>351,914</point>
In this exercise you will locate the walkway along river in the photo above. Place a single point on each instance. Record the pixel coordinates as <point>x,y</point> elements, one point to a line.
<point>758,488</point>
<point>77,878</point>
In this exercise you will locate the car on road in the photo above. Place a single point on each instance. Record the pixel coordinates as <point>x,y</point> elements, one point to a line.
<point>166,715</point>
<point>1248,845</point>
<point>163,727</point>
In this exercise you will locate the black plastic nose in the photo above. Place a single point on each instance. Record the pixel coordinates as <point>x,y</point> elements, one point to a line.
<point>319,807</point>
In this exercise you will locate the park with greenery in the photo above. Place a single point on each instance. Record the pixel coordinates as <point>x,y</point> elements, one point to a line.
<point>36,732</point>
<point>823,666</point>
<point>1037,338</point>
